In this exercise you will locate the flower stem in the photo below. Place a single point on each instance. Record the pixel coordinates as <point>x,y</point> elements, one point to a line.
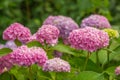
<point>108,52</point>
<point>86,61</point>
<point>53,75</point>
<point>108,57</point>
<point>30,73</point>
<point>97,58</point>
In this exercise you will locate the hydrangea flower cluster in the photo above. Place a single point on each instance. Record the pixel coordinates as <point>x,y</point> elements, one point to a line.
<point>117,70</point>
<point>17,31</point>
<point>25,56</point>
<point>39,55</point>
<point>112,33</point>
<point>48,34</point>
<point>64,24</point>
<point>5,63</point>
<point>89,39</point>
<point>97,21</point>
<point>10,44</point>
<point>57,65</point>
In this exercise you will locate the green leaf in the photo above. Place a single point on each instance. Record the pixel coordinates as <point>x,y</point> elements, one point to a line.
<point>78,63</point>
<point>18,43</point>
<point>34,43</point>
<point>5,76</point>
<point>89,75</point>
<point>66,49</point>
<point>111,71</point>
<point>4,51</point>
<point>20,73</point>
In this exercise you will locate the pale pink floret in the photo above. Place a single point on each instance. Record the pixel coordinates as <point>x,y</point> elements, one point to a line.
<point>97,21</point>
<point>56,65</point>
<point>25,56</point>
<point>117,70</point>
<point>17,31</point>
<point>47,34</point>
<point>10,44</point>
<point>5,63</point>
<point>88,38</point>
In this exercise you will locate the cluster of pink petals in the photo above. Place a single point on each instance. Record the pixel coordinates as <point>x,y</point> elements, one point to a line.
<point>5,63</point>
<point>17,31</point>
<point>11,44</point>
<point>47,34</point>
<point>97,21</point>
<point>57,65</point>
<point>64,24</point>
<point>89,39</point>
<point>39,55</point>
<point>25,56</point>
<point>117,70</point>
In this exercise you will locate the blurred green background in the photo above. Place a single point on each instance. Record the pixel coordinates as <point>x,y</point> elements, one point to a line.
<point>32,13</point>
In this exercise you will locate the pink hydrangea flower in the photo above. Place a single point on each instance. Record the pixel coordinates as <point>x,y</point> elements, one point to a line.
<point>89,39</point>
<point>47,34</point>
<point>25,56</point>
<point>64,24</point>
<point>39,55</point>
<point>97,21</point>
<point>10,44</point>
<point>17,31</point>
<point>57,65</point>
<point>117,70</point>
<point>5,63</point>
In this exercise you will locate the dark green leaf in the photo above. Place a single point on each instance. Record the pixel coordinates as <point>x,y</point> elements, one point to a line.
<point>18,43</point>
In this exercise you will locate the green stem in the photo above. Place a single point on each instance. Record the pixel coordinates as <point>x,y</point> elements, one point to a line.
<point>53,75</point>
<point>108,52</point>
<point>108,57</point>
<point>27,9</point>
<point>86,61</point>
<point>97,58</point>
<point>30,73</point>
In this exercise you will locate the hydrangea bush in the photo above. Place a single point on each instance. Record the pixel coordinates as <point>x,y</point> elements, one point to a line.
<point>88,52</point>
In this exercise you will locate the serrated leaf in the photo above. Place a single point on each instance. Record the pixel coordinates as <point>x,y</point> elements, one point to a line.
<point>5,51</point>
<point>89,75</point>
<point>66,49</point>
<point>34,43</point>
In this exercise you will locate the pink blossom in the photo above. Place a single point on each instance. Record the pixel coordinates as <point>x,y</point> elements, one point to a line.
<point>10,44</point>
<point>5,63</point>
<point>47,34</point>
<point>97,21</point>
<point>17,31</point>
<point>25,56</point>
<point>57,65</point>
<point>89,39</point>
<point>117,70</point>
